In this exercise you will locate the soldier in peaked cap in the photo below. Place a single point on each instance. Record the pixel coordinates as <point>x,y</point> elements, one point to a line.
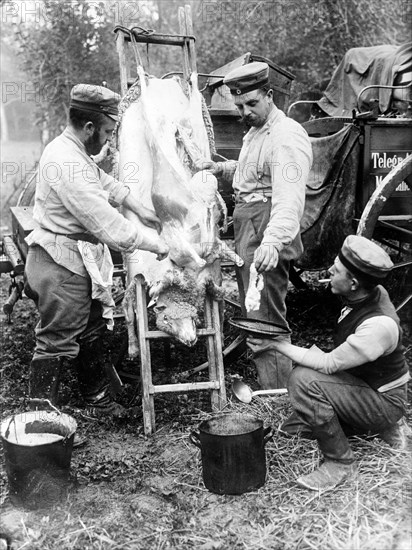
<point>76,225</point>
<point>269,182</point>
<point>360,386</point>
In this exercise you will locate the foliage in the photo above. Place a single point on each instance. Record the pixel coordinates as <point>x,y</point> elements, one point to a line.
<point>308,37</point>
<point>67,44</point>
<point>74,41</point>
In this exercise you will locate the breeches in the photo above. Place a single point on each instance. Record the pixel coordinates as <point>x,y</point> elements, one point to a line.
<point>317,397</point>
<point>249,226</point>
<point>64,302</point>
<point>250,221</point>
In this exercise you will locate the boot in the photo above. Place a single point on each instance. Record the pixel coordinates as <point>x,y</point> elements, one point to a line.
<point>339,460</point>
<point>294,425</point>
<point>396,435</point>
<point>44,379</point>
<point>93,383</point>
<point>273,369</point>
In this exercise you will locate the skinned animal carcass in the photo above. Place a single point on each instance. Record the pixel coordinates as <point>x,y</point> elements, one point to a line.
<point>161,139</point>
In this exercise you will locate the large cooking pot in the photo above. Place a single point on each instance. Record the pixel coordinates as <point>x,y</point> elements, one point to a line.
<point>233,452</point>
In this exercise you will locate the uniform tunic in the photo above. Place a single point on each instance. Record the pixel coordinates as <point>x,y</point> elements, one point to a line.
<point>368,341</point>
<point>72,196</point>
<point>269,182</point>
<point>366,389</point>
<point>274,164</point>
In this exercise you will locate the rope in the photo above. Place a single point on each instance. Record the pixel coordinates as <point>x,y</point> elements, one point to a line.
<point>209,127</point>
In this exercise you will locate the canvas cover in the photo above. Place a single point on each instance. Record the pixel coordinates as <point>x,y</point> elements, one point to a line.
<point>330,197</point>
<point>362,67</point>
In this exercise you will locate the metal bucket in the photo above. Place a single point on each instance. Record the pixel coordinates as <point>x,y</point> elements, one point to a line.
<point>38,448</point>
<point>233,453</point>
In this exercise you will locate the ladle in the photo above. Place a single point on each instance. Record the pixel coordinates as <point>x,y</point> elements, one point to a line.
<point>245,394</point>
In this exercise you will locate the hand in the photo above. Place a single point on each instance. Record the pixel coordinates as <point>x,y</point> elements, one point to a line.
<point>276,342</point>
<point>149,218</point>
<point>266,257</point>
<point>209,165</point>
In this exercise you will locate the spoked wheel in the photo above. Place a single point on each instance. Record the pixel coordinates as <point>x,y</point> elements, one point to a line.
<point>393,232</point>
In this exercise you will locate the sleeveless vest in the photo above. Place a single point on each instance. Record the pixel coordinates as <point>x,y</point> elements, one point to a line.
<point>386,368</point>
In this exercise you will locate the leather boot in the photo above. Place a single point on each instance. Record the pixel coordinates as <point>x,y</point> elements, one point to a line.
<point>397,435</point>
<point>93,383</point>
<point>295,426</point>
<point>44,379</point>
<point>339,460</point>
<point>273,369</point>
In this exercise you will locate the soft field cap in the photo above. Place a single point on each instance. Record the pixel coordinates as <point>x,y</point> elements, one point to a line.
<point>98,99</point>
<point>364,257</point>
<point>247,78</point>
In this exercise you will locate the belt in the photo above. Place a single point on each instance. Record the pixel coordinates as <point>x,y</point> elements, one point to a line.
<point>83,237</point>
<point>252,197</point>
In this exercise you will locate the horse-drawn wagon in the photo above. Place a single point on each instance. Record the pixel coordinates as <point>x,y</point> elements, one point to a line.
<point>362,170</point>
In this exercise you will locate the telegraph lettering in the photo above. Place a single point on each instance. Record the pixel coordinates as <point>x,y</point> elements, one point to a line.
<point>386,161</point>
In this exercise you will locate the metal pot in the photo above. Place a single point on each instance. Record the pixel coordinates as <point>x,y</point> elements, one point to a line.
<point>233,453</point>
<point>37,451</point>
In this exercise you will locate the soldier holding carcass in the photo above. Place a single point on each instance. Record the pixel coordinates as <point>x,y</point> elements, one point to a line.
<point>269,182</point>
<point>77,222</point>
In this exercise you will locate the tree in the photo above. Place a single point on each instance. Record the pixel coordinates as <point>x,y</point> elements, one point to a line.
<point>74,41</point>
<point>309,37</point>
<point>68,43</point>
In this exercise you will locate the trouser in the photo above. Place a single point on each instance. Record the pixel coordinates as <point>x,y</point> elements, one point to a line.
<point>342,403</point>
<point>70,327</point>
<point>250,221</point>
<point>65,306</point>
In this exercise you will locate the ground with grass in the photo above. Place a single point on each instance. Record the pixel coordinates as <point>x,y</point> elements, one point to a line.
<point>133,492</point>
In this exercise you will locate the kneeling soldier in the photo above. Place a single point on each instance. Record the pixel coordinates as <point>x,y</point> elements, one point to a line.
<point>360,386</point>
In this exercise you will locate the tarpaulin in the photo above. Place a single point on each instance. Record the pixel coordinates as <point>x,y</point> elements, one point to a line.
<point>362,67</point>
<point>330,197</point>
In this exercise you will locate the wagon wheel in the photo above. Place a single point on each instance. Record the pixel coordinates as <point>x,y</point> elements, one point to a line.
<point>396,233</point>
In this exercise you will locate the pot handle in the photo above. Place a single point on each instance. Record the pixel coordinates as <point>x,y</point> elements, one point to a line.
<point>268,434</point>
<point>194,438</point>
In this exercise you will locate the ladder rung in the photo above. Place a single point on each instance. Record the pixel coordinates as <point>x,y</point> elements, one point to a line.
<point>153,334</point>
<point>165,39</point>
<point>189,386</point>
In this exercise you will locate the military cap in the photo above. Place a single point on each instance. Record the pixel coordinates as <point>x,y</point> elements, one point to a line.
<point>247,78</point>
<point>365,258</point>
<point>98,99</point>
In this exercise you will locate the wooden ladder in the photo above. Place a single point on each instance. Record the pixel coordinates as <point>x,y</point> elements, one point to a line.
<point>211,332</point>
<point>186,41</point>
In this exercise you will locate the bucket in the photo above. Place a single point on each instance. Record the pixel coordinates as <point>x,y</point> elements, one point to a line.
<point>233,453</point>
<point>38,448</point>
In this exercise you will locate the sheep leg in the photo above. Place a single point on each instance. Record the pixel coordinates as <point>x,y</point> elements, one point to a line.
<point>226,253</point>
<point>130,315</point>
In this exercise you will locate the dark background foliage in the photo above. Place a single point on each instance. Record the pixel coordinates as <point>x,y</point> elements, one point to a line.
<point>73,41</point>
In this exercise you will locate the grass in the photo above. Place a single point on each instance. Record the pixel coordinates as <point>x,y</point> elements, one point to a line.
<point>132,492</point>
